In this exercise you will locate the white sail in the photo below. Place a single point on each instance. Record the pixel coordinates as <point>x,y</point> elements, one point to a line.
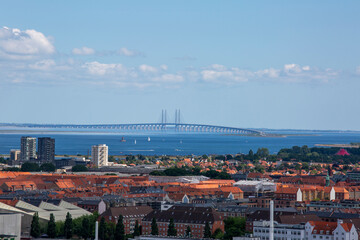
<point>148,139</point>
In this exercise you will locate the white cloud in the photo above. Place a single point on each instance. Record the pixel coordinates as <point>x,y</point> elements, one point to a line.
<point>43,64</point>
<point>222,74</point>
<point>96,68</point>
<point>169,78</point>
<point>21,45</point>
<point>164,67</point>
<point>83,51</point>
<point>270,72</point>
<point>147,69</point>
<point>126,52</point>
<point>292,68</point>
<point>217,73</point>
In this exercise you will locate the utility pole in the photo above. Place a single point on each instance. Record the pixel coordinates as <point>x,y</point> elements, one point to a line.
<point>271,236</point>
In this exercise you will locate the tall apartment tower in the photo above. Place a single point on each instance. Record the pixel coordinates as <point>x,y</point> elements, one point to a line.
<point>46,149</point>
<point>99,155</point>
<point>14,156</point>
<point>27,149</point>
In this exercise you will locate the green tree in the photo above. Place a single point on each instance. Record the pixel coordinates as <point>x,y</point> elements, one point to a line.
<point>171,228</point>
<point>218,234</point>
<point>110,231</point>
<point>234,227</point>
<point>120,229</point>
<point>154,227</point>
<point>207,230</point>
<point>262,152</point>
<point>137,229</point>
<point>30,167</point>
<point>85,228</point>
<point>251,155</point>
<point>79,168</point>
<point>35,226</point>
<point>102,229</point>
<point>51,227</point>
<point>188,231</point>
<point>47,167</point>
<point>68,226</point>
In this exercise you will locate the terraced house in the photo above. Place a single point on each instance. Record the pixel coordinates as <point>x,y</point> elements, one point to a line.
<point>184,216</point>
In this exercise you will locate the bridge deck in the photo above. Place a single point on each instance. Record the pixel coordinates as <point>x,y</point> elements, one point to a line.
<point>179,127</point>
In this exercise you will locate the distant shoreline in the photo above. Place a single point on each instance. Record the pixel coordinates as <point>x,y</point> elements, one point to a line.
<point>337,145</point>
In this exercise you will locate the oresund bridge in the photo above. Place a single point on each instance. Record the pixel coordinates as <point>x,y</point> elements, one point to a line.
<point>163,126</point>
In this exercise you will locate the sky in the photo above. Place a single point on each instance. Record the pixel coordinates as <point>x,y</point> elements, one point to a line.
<point>251,64</point>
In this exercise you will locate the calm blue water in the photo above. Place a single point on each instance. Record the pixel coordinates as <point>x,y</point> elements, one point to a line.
<point>178,144</point>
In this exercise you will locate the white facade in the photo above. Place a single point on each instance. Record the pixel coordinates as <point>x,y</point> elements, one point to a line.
<point>332,194</point>
<point>281,231</point>
<point>27,148</point>
<point>99,155</point>
<point>330,231</point>
<point>299,196</point>
<point>256,186</point>
<point>10,224</point>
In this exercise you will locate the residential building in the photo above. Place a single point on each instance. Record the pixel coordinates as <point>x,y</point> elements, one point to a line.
<point>14,156</point>
<point>10,226</point>
<point>183,217</point>
<point>130,216</point>
<point>263,214</point>
<point>46,149</point>
<point>93,205</point>
<point>27,149</point>
<point>99,155</point>
<point>339,230</point>
<point>281,231</point>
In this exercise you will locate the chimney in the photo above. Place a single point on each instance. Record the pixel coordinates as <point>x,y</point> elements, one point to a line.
<point>271,232</point>
<point>96,230</point>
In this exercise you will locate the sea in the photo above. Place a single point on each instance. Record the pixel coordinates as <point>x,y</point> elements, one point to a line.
<point>172,143</point>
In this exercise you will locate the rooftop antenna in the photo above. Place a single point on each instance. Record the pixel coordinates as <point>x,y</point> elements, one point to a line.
<point>271,232</point>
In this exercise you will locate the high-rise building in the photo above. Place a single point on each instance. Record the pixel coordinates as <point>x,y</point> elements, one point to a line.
<point>14,156</point>
<point>27,149</point>
<point>99,155</point>
<point>46,149</point>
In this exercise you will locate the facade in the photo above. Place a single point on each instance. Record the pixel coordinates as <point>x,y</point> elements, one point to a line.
<point>27,149</point>
<point>311,193</point>
<point>99,155</point>
<point>184,216</point>
<point>10,226</point>
<point>96,205</point>
<point>46,149</point>
<point>130,216</point>
<point>330,231</point>
<point>281,231</point>
<point>14,156</point>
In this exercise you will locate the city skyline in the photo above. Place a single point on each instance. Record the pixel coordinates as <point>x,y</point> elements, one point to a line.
<point>241,63</point>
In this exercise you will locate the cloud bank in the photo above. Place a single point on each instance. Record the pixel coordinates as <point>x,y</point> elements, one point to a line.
<point>32,59</point>
<point>22,45</point>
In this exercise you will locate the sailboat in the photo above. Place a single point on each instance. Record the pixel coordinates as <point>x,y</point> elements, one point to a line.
<point>122,139</point>
<point>135,141</point>
<point>149,139</point>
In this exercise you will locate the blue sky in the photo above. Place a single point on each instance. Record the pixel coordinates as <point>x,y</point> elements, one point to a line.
<point>271,64</point>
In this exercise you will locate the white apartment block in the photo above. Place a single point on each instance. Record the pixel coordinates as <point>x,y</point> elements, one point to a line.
<point>281,231</point>
<point>99,155</point>
<point>27,148</point>
<point>330,231</point>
